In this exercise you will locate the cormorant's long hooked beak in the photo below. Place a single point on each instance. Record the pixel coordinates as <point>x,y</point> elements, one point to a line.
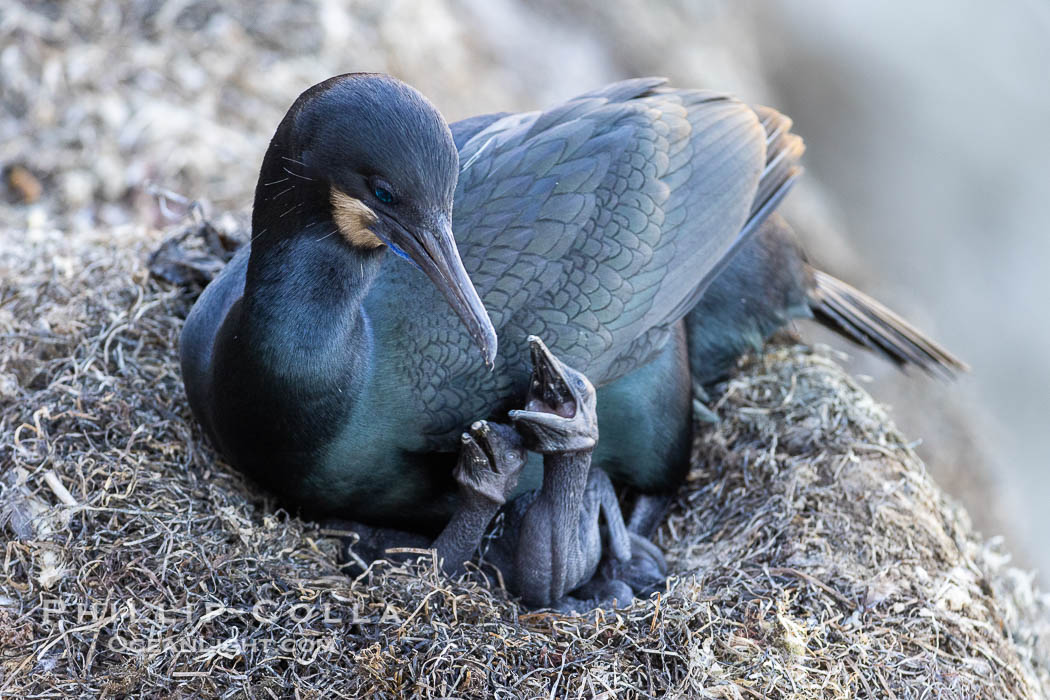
<point>434,250</point>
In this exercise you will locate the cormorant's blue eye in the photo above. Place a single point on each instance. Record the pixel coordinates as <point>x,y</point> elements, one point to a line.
<point>383,195</point>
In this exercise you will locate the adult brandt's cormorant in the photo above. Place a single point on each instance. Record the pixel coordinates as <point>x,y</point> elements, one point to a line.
<point>335,375</point>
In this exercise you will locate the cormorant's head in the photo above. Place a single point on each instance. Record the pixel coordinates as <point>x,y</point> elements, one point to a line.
<point>381,158</point>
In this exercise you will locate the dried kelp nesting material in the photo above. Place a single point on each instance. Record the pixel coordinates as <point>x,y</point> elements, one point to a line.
<point>812,555</point>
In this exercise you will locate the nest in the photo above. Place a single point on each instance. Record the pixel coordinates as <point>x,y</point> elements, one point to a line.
<point>811,554</point>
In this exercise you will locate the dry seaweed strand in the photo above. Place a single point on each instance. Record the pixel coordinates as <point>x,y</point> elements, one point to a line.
<point>813,556</point>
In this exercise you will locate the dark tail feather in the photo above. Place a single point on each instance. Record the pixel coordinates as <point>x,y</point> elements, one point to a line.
<point>853,313</point>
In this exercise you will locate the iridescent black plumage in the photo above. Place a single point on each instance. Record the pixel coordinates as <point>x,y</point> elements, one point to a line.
<point>337,376</point>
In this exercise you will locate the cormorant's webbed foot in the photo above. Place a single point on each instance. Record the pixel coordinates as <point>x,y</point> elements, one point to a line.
<point>491,458</point>
<point>701,411</point>
<point>643,572</point>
